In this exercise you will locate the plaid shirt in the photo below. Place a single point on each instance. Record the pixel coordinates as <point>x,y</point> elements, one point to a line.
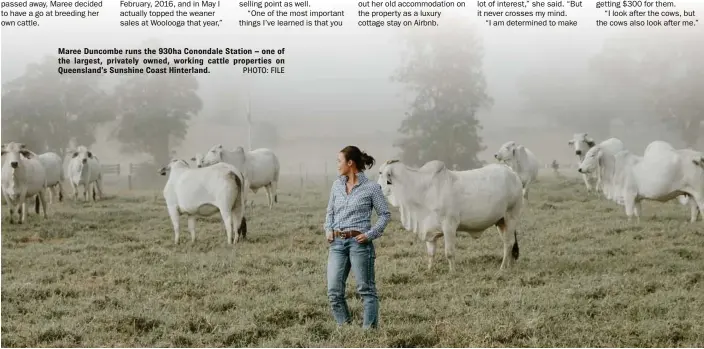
<point>354,211</point>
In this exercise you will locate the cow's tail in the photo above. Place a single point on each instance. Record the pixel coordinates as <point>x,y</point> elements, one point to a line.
<point>36,204</point>
<point>239,201</point>
<point>277,169</point>
<point>515,251</point>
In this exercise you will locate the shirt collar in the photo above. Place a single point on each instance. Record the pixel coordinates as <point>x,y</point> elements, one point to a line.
<point>361,178</point>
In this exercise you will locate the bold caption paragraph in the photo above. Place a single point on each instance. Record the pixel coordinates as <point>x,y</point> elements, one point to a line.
<point>369,13</point>
<point>168,60</point>
<point>623,13</point>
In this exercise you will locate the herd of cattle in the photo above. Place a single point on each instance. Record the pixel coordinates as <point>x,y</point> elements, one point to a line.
<point>433,200</point>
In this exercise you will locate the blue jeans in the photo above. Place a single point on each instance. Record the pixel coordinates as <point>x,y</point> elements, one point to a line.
<point>346,254</point>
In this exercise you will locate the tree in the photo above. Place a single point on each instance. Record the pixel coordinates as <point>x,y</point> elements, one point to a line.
<point>666,71</point>
<point>554,95</point>
<point>46,110</point>
<point>444,71</point>
<point>154,110</point>
<point>641,79</point>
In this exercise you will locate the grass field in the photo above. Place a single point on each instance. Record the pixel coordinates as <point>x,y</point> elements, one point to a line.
<point>108,274</point>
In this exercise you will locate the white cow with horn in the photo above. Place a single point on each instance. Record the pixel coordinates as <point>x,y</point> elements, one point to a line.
<point>437,202</point>
<point>260,167</point>
<point>203,192</point>
<point>23,176</point>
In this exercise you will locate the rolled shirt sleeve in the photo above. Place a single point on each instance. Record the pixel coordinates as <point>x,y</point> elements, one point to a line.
<point>329,215</point>
<point>382,211</point>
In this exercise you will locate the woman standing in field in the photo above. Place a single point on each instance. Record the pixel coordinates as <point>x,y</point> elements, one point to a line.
<point>350,234</point>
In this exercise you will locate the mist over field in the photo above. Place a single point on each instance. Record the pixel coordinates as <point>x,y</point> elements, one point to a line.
<point>540,86</point>
<point>107,272</point>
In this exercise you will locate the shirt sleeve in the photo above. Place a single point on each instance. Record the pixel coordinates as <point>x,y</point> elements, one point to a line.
<point>329,217</point>
<point>382,210</point>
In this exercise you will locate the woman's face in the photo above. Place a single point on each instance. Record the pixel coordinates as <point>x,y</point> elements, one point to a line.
<point>343,166</point>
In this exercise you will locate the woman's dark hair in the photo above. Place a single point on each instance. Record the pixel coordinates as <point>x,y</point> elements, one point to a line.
<point>361,159</point>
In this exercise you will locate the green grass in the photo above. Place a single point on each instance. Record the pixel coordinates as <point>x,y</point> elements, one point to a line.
<point>108,274</point>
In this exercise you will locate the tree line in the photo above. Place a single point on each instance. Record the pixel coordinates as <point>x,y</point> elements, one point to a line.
<point>644,77</point>
<point>653,78</point>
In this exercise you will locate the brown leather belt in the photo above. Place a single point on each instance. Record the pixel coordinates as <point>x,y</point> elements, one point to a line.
<point>347,234</point>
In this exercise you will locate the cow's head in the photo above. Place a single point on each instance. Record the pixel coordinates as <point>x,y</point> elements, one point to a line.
<point>213,156</point>
<point>506,152</point>
<point>175,163</point>
<point>198,160</point>
<point>385,179</point>
<point>591,160</point>
<point>15,152</point>
<point>581,143</point>
<point>83,154</point>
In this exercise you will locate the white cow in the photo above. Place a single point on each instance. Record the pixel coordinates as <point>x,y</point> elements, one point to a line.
<point>581,143</point>
<point>663,173</point>
<point>23,176</point>
<point>260,166</point>
<point>594,160</point>
<point>439,201</point>
<point>614,177</point>
<point>54,174</point>
<point>521,160</point>
<point>203,192</point>
<point>84,169</point>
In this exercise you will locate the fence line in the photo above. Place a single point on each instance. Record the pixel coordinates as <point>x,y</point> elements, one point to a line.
<point>116,170</point>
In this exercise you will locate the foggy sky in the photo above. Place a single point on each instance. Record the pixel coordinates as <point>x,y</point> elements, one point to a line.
<point>336,78</point>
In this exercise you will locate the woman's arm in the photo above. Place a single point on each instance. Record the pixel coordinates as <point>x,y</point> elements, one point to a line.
<point>382,210</point>
<point>329,216</point>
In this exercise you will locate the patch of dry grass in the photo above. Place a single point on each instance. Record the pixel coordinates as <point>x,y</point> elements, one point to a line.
<point>108,274</point>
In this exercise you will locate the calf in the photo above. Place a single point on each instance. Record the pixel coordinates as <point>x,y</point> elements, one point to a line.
<point>23,176</point>
<point>203,192</point>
